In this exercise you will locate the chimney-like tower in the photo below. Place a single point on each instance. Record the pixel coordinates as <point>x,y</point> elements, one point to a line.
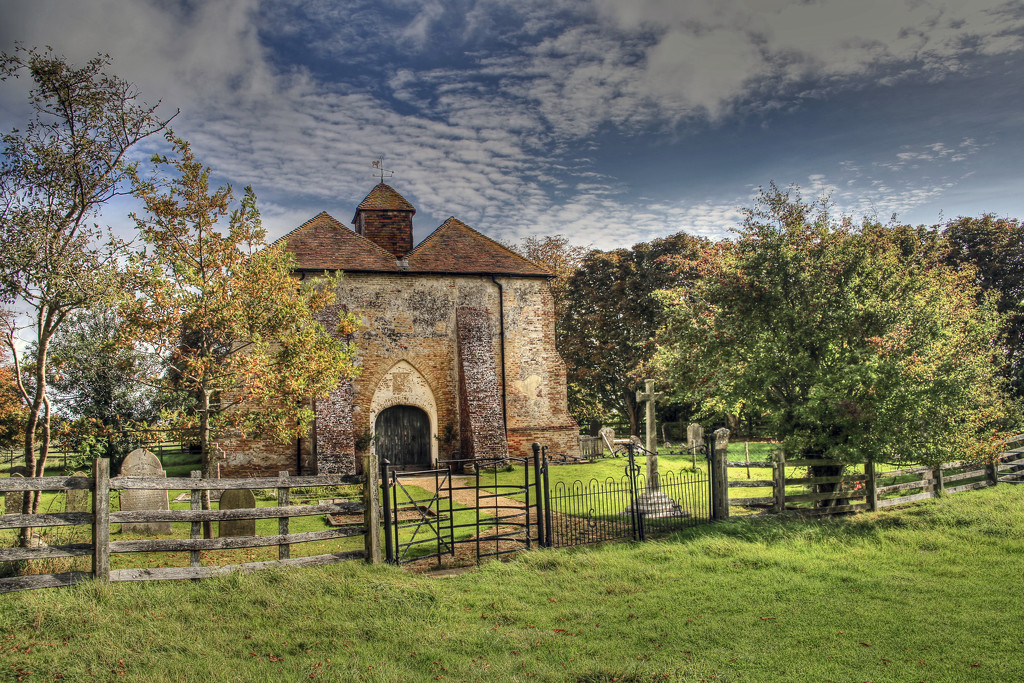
<point>385,218</point>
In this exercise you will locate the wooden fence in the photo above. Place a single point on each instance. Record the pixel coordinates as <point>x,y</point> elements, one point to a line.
<point>870,490</point>
<point>591,447</point>
<point>100,519</point>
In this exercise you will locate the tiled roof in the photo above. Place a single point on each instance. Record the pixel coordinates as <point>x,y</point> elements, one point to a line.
<point>457,248</point>
<point>322,243</point>
<point>384,197</point>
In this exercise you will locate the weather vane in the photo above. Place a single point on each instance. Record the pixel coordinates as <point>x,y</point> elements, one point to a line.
<point>381,171</point>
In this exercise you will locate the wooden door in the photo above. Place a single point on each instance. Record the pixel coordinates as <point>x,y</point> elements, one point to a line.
<point>402,435</point>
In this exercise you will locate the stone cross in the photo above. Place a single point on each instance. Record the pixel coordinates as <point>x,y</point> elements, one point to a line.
<point>650,397</point>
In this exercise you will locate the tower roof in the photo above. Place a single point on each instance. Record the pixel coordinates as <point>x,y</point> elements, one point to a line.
<point>384,198</point>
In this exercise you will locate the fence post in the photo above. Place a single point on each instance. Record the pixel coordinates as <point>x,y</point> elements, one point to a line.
<point>720,456</point>
<point>940,482</point>
<point>993,471</point>
<point>872,484</point>
<point>371,507</point>
<point>196,530</point>
<point>101,520</point>
<point>284,551</point>
<point>541,531</point>
<point>779,480</point>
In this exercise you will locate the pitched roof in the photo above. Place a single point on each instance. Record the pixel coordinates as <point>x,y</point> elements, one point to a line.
<point>384,197</point>
<point>457,248</point>
<point>322,243</point>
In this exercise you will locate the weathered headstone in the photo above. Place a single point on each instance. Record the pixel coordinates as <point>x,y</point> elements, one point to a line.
<point>694,437</point>
<point>142,463</point>
<point>608,435</point>
<point>14,500</point>
<point>235,499</point>
<point>77,499</point>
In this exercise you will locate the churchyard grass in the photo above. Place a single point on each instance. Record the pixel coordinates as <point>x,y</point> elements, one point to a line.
<point>919,593</point>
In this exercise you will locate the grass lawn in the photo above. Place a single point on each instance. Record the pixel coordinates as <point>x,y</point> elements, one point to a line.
<point>923,593</point>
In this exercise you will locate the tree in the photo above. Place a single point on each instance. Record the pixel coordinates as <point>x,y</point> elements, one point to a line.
<point>994,248</point>
<point>605,334</point>
<point>560,256</point>
<point>222,310</point>
<point>102,387</point>
<point>858,343</point>
<point>56,174</point>
<point>12,406</point>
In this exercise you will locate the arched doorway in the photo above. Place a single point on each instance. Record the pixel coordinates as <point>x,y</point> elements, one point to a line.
<point>402,436</point>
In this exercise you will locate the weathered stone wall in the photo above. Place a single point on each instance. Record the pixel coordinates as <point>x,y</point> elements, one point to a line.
<point>409,321</point>
<point>536,400</point>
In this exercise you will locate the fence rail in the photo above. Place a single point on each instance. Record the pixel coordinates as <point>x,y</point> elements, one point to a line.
<point>100,519</point>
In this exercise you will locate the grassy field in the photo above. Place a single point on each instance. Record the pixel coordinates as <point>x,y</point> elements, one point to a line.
<point>924,593</point>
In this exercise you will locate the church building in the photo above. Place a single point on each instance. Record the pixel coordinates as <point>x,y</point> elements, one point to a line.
<point>456,349</point>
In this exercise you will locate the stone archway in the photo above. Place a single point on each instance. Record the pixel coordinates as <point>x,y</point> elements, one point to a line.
<point>404,386</point>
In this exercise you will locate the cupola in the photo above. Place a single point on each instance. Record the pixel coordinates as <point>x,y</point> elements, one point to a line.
<point>385,218</point>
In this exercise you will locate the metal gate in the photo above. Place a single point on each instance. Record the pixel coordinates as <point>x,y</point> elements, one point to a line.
<point>493,508</point>
<point>625,507</point>
<point>479,508</point>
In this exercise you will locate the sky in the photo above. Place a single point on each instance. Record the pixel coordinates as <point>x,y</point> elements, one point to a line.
<point>608,121</point>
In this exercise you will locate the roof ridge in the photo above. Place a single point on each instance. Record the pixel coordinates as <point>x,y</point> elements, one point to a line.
<point>345,233</point>
<point>453,223</point>
<point>291,232</point>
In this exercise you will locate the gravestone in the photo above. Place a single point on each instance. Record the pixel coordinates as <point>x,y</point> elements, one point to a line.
<point>77,500</point>
<point>608,435</point>
<point>14,500</point>
<point>694,437</point>
<point>235,499</point>
<point>142,463</point>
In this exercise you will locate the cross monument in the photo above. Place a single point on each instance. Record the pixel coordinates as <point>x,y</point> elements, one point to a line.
<point>650,397</point>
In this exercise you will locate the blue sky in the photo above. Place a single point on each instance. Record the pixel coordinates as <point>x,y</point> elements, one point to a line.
<point>607,121</point>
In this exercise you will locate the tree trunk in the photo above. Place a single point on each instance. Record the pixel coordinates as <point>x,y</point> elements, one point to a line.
<point>631,406</point>
<point>830,487</point>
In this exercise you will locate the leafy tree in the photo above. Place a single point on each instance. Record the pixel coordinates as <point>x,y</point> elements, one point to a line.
<point>12,406</point>
<point>102,388</point>
<point>560,256</point>
<point>56,174</point>
<point>858,343</point>
<point>606,331</point>
<point>994,247</point>
<point>222,310</point>
<point>96,377</point>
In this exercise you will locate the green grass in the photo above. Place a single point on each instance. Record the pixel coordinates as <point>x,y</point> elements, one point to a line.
<point>924,593</point>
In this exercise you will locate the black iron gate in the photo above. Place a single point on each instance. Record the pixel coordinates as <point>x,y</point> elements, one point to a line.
<point>624,507</point>
<point>485,508</point>
<point>494,508</point>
